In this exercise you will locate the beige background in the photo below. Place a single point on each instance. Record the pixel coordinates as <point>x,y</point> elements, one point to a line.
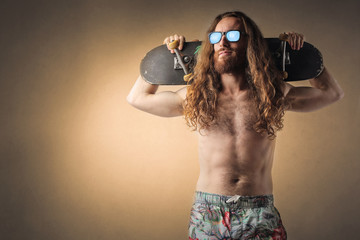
<point>77,162</point>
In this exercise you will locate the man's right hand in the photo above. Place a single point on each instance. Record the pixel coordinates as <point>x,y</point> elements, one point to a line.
<point>170,39</point>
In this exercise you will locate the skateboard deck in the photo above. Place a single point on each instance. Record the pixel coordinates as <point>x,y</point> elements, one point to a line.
<point>161,67</point>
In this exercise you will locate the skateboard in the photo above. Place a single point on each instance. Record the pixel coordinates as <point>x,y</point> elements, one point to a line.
<point>161,67</point>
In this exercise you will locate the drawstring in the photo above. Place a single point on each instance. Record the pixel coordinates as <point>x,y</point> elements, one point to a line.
<point>233,199</point>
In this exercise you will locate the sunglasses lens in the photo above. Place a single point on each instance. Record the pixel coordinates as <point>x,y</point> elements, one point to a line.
<point>215,37</point>
<point>233,36</point>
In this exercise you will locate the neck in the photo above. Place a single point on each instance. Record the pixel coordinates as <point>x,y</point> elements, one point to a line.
<point>233,82</point>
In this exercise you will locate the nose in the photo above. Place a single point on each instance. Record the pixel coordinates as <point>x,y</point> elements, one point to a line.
<point>224,41</point>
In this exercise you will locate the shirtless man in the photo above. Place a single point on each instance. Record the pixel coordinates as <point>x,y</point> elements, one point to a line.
<point>236,102</point>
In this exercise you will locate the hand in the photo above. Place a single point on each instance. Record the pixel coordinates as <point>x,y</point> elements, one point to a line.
<point>296,40</point>
<point>173,38</point>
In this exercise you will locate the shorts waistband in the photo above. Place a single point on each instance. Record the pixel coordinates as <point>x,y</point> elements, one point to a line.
<point>235,201</point>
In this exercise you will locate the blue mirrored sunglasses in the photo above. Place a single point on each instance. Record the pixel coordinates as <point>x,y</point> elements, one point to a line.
<point>231,36</point>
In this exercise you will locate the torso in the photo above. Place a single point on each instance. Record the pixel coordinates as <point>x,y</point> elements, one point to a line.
<point>234,158</point>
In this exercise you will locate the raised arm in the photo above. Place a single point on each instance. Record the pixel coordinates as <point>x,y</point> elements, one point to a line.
<point>144,96</point>
<point>324,90</point>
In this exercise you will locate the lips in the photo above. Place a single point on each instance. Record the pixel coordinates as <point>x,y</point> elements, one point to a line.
<point>224,52</point>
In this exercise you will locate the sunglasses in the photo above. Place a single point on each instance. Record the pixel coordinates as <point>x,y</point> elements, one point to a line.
<point>231,36</point>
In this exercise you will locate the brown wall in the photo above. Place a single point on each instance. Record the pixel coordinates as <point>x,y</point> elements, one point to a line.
<point>77,162</point>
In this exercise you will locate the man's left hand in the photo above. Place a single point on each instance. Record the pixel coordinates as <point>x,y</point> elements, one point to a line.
<point>296,40</point>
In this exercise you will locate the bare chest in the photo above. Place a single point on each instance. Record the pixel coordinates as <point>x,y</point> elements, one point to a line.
<point>235,115</point>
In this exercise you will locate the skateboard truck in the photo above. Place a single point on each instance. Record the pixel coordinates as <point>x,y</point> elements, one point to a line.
<point>179,60</point>
<point>285,55</point>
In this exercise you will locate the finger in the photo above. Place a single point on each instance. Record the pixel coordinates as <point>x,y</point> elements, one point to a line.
<point>182,41</point>
<point>294,41</point>
<point>302,40</point>
<point>291,40</point>
<point>298,42</point>
<point>166,41</point>
<point>176,38</point>
<point>287,35</point>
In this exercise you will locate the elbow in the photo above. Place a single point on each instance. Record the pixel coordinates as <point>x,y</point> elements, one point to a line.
<point>131,100</point>
<point>137,101</point>
<point>338,95</point>
<point>341,94</point>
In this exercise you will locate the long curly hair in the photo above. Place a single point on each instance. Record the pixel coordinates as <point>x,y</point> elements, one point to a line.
<point>264,79</point>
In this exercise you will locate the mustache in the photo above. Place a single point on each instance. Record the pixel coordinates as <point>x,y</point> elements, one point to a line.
<point>216,54</point>
<point>225,49</point>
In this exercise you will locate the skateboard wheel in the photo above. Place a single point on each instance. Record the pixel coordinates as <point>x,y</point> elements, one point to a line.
<point>285,74</point>
<point>187,77</point>
<point>186,59</point>
<point>174,44</point>
<point>283,37</point>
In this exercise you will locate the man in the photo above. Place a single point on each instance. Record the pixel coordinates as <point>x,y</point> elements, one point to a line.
<point>236,102</point>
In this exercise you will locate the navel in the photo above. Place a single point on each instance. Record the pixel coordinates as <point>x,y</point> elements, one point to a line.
<point>235,180</point>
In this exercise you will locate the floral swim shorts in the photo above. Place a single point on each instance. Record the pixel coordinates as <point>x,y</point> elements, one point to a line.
<point>216,216</point>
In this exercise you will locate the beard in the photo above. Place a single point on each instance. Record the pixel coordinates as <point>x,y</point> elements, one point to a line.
<point>229,64</point>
